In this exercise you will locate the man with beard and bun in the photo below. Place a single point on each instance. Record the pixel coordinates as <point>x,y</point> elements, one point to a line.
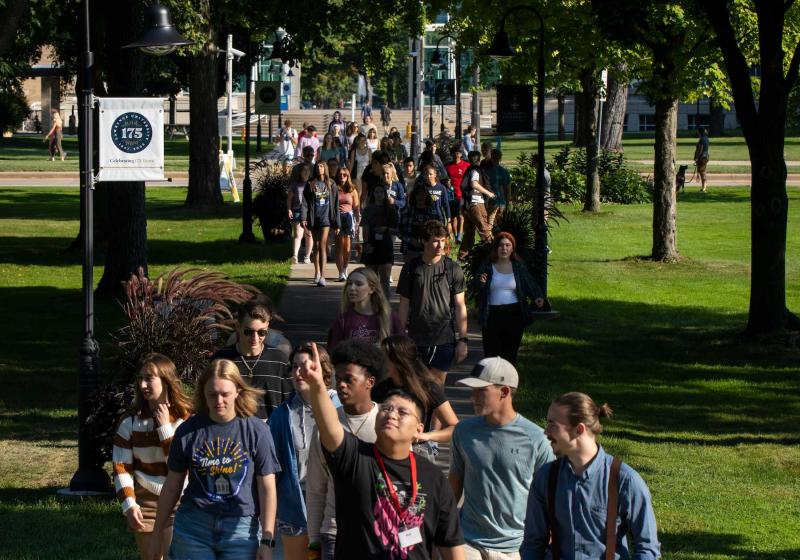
<point>494,456</point>
<point>577,502</point>
<point>359,366</point>
<point>390,504</point>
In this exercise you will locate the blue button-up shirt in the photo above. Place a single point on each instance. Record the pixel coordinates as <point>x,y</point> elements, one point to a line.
<point>581,505</point>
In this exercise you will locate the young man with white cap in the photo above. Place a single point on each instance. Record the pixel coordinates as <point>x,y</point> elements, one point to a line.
<point>494,456</point>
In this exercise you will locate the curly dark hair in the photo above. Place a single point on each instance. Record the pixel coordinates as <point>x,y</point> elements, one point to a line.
<point>362,353</point>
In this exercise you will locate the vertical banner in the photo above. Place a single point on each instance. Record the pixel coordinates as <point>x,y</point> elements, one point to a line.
<point>445,92</point>
<point>268,98</point>
<point>514,108</point>
<point>131,139</point>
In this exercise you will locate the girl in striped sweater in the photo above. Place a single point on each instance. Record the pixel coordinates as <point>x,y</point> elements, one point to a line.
<point>141,445</point>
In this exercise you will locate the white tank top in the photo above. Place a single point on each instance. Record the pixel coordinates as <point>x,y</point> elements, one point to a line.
<point>361,162</point>
<point>503,290</point>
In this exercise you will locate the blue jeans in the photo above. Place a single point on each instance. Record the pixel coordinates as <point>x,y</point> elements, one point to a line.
<point>199,535</point>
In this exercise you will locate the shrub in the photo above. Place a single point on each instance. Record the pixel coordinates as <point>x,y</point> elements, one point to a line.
<point>13,108</point>
<point>625,186</point>
<point>269,203</point>
<point>567,185</point>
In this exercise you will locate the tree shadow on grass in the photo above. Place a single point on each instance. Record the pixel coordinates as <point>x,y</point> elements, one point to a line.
<point>46,526</point>
<point>699,544</point>
<point>39,205</point>
<point>676,374</point>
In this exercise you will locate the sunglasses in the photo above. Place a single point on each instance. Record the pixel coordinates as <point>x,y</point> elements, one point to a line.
<point>250,332</point>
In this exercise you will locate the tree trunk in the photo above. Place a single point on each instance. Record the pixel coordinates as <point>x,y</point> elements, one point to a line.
<point>204,134</point>
<point>589,100</point>
<point>123,202</point>
<point>614,114</point>
<point>716,119</point>
<point>665,237</point>
<point>562,128</point>
<point>368,86</point>
<point>390,90</point>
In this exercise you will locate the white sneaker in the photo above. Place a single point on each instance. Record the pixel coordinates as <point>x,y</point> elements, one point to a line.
<point>316,281</point>
<point>321,283</point>
<point>294,259</point>
<point>391,281</point>
<point>342,277</point>
<point>306,260</point>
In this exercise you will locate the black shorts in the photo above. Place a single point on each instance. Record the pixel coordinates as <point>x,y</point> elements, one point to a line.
<point>455,208</point>
<point>438,357</point>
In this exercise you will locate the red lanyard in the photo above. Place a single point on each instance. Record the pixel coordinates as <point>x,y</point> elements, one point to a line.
<point>392,492</point>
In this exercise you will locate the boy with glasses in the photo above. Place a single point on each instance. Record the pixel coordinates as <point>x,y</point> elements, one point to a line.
<point>261,355</point>
<point>389,503</point>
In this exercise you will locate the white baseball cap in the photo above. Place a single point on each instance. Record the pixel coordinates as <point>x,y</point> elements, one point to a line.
<point>492,371</point>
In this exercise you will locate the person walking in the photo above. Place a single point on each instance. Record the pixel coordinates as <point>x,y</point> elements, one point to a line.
<point>311,140</point>
<point>359,366</point>
<point>390,503</point>
<point>226,452</point>
<point>349,218</point>
<point>506,297</point>
<point>475,191</point>
<point>295,202</point>
<point>322,215</point>
<point>500,179</point>
<point>407,372</point>
<point>360,157</point>
<point>54,137</point>
<point>287,145</point>
<point>379,223</point>
<point>701,157</point>
<point>386,116</point>
<point>141,446</point>
<point>494,457</point>
<point>586,496</point>
<point>432,304</point>
<point>261,354</point>
<point>365,311</point>
<point>456,170</point>
<point>438,192</point>
<point>419,211</point>
<point>292,427</point>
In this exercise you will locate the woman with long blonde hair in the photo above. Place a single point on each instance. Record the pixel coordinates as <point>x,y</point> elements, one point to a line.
<point>141,445</point>
<point>365,311</point>
<point>229,504</point>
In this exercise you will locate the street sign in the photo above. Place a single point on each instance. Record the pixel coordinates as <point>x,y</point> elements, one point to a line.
<point>131,139</point>
<point>604,88</point>
<point>514,108</point>
<point>268,98</point>
<point>445,92</point>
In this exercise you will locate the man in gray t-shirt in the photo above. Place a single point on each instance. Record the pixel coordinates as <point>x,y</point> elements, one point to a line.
<point>494,456</point>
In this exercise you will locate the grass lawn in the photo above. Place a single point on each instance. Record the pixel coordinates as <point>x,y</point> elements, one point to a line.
<point>710,423</point>
<point>29,153</point>
<point>639,147</point>
<point>40,291</point>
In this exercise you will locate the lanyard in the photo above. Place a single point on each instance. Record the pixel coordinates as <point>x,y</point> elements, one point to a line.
<point>392,492</point>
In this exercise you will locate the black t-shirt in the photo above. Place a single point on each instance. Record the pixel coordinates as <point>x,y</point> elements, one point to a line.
<point>270,374</point>
<point>436,397</point>
<point>367,522</point>
<point>431,290</point>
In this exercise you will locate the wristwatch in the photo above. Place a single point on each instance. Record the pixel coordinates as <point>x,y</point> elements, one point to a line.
<point>270,542</point>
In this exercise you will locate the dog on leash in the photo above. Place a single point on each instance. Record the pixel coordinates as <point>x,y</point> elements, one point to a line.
<point>680,178</point>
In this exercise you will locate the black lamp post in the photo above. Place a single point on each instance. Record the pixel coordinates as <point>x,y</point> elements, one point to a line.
<point>501,49</point>
<point>247,185</point>
<point>159,38</point>
<point>437,60</point>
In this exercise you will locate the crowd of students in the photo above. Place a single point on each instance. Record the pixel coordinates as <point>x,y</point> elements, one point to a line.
<point>334,446</point>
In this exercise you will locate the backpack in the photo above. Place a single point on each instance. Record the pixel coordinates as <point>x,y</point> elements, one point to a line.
<point>466,184</point>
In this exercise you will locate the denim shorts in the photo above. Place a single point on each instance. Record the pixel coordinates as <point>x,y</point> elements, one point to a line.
<point>291,530</point>
<point>199,535</point>
<point>438,357</point>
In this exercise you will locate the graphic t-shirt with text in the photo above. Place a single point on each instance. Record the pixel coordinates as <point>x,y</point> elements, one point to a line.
<point>221,460</point>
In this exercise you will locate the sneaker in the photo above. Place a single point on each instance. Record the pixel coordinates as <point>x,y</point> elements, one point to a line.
<point>294,259</point>
<point>316,281</point>
<point>306,260</point>
<point>391,282</point>
<point>342,277</point>
<point>321,283</point>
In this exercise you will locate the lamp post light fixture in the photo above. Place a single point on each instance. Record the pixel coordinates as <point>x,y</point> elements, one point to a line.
<point>159,38</point>
<point>501,49</point>
<point>436,59</point>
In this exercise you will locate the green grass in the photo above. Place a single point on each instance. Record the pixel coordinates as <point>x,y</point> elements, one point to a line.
<point>710,422</point>
<point>638,147</point>
<point>29,153</point>
<point>40,292</point>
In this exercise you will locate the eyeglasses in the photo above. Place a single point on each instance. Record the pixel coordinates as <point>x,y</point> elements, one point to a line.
<point>250,332</point>
<point>403,413</point>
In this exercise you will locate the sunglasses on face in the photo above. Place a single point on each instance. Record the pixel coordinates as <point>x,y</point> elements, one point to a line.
<point>250,332</point>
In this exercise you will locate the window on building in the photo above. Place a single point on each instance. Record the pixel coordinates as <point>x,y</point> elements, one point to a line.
<point>694,122</point>
<point>647,122</point>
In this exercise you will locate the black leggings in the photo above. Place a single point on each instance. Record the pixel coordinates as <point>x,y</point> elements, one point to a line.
<point>502,334</point>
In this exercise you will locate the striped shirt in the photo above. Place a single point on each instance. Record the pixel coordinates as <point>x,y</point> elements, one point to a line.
<point>140,454</point>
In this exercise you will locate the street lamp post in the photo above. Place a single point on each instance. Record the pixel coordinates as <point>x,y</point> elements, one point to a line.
<point>247,185</point>
<point>159,38</point>
<point>437,59</point>
<point>501,49</point>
